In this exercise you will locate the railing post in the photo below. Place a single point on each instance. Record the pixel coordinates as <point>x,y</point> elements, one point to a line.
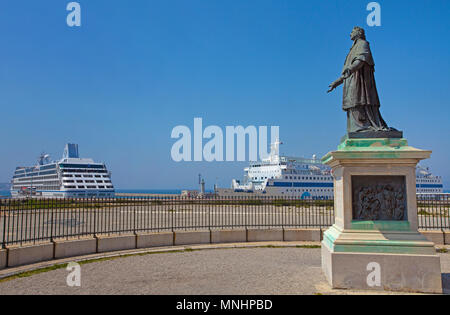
<point>134,216</point>
<point>4,224</point>
<point>171,218</point>
<point>209,214</point>
<point>95,218</point>
<point>441,213</point>
<point>51,224</point>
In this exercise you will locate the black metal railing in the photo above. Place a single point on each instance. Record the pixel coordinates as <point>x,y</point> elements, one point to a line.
<point>433,211</point>
<point>25,221</point>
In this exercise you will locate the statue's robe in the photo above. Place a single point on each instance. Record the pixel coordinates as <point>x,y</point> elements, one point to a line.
<point>360,97</point>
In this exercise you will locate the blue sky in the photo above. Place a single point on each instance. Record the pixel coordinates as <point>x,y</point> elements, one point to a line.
<point>134,70</point>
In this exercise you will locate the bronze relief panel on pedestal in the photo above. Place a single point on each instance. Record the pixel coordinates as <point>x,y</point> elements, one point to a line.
<point>379,198</point>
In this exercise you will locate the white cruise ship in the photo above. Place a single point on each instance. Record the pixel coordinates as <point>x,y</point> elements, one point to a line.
<point>71,177</point>
<point>284,176</point>
<point>427,183</point>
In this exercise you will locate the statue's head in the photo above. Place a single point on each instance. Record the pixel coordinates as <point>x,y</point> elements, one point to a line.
<point>358,32</point>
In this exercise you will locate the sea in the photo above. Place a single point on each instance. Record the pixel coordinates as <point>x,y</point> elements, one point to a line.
<point>5,193</point>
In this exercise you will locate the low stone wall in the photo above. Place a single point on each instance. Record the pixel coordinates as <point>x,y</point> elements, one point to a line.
<point>74,248</point>
<point>313,235</point>
<point>229,236</point>
<point>115,243</point>
<point>17,256</point>
<point>437,237</point>
<point>3,258</point>
<point>192,237</point>
<point>264,235</point>
<point>146,240</point>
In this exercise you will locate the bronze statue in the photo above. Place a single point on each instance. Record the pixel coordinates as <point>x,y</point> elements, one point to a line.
<point>360,97</point>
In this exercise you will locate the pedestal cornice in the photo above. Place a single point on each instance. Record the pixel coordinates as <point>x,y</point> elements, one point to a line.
<point>375,151</point>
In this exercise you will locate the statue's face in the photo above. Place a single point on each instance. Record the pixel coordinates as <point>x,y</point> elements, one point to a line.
<point>353,34</point>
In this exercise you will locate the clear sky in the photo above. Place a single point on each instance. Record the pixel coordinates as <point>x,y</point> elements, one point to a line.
<point>134,70</point>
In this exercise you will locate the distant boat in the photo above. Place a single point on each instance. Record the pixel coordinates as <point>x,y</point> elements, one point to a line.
<point>70,177</point>
<point>285,176</point>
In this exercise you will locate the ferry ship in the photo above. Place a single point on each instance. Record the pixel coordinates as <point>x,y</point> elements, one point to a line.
<point>71,177</point>
<point>293,177</point>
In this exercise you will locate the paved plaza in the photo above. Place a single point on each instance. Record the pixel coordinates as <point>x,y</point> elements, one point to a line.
<point>230,271</point>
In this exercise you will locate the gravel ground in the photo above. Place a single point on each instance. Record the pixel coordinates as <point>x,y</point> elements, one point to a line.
<point>216,271</point>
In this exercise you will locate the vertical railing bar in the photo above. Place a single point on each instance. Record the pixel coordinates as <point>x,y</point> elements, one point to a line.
<point>7,204</point>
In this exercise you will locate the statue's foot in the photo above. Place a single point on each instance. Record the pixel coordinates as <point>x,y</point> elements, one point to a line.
<point>381,129</point>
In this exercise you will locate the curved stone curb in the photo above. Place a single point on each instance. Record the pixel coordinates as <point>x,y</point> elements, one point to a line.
<point>167,249</point>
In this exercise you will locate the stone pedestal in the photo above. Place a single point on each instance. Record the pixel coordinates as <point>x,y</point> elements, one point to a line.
<point>374,243</point>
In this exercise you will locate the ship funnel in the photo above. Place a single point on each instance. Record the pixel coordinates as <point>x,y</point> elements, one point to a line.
<point>71,151</point>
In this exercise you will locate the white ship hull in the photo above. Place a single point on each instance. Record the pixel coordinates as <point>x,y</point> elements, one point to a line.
<point>65,194</point>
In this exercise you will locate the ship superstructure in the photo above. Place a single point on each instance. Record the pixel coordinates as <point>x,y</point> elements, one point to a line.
<point>426,182</point>
<point>70,177</point>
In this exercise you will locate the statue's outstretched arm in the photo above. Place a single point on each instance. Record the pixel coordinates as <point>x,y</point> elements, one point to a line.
<point>356,65</point>
<point>336,83</point>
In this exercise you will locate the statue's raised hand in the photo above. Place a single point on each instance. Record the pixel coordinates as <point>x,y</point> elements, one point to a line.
<point>332,86</point>
<point>336,83</point>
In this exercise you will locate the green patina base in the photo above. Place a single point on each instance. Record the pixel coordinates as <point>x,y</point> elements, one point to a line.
<point>389,237</point>
<point>382,148</point>
<point>381,225</point>
<point>389,144</point>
